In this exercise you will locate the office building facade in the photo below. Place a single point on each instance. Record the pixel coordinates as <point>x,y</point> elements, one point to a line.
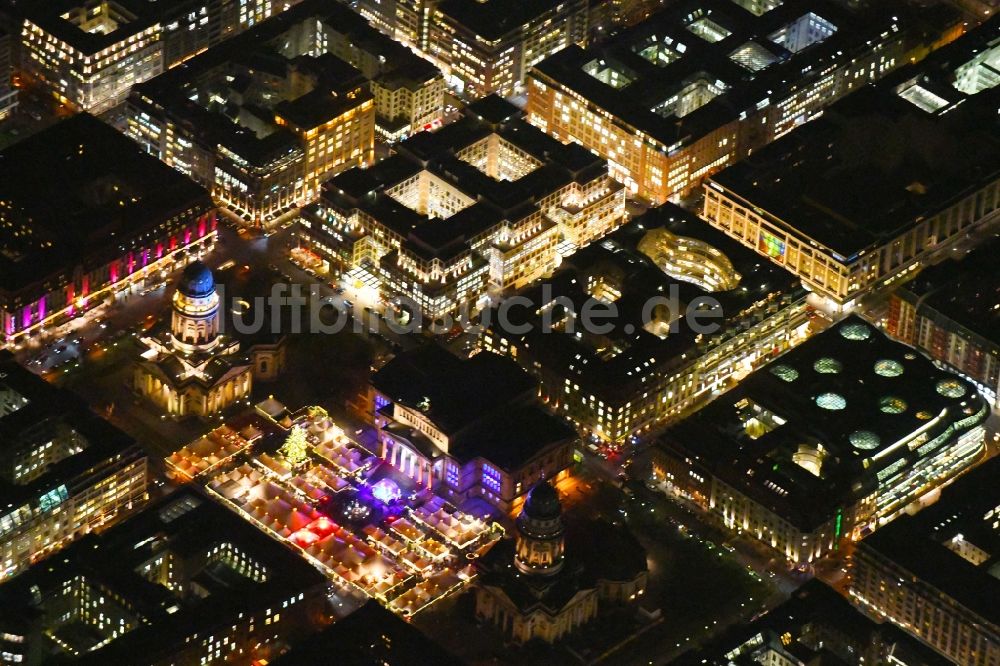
<point>701,85</point>
<point>854,202</point>
<point>828,442</point>
<point>64,472</point>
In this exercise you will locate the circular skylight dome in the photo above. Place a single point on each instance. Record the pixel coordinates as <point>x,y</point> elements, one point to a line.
<point>855,331</point>
<point>828,366</point>
<point>888,368</point>
<point>831,401</point>
<point>892,405</point>
<point>785,372</point>
<point>924,416</point>
<point>950,388</point>
<point>865,440</point>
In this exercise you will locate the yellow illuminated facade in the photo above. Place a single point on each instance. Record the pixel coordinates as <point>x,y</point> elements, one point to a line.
<point>782,481</point>
<point>485,49</point>
<point>502,248</point>
<point>499,63</point>
<point>840,278</point>
<point>294,127</point>
<point>97,80</point>
<point>91,55</point>
<point>659,128</point>
<point>339,143</point>
<point>64,472</point>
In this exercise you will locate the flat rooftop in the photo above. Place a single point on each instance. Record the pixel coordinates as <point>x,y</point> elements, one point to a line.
<point>885,157</point>
<point>90,26</point>
<point>965,290</point>
<point>617,363</point>
<point>485,404</point>
<point>187,525</point>
<point>442,155</point>
<point>699,64</point>
<point>453,392</point>
<point>78,194</point>
<point>234,93</point>
<point>492,19</point>
<point>371,634</point>
<point>33,409</point>
<point>851,397</point>
<point>927,544</point>
<point>812,611</point>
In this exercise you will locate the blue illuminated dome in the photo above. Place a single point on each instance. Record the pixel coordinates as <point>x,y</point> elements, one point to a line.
<point>197,281</point>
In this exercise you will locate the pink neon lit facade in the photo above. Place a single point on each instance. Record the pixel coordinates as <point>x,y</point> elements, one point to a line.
<point>76,288</point>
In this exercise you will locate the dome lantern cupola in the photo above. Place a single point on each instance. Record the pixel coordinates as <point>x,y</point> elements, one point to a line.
<point>195,321</point>
<point>540,541</point>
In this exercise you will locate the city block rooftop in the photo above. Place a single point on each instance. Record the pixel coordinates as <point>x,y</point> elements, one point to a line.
<point>80,193</point>
<point>89,26</point>
<point>243,94</point>
<point>184,568</point>
<point>48,437</point>
<point>954,545</point>
<point>824,424</point>
<point>532,166</point>
<point>965,290</point>
<point>699,64</point>
<point>887,156</point>
<point>665,249</point>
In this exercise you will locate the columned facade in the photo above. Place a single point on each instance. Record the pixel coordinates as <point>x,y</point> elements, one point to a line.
<point>192,369</point>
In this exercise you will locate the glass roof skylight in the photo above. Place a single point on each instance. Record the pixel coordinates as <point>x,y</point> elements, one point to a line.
<point>855,331</point>
<point>865,440</point>
<point>950,388</point>
<point>831,401</point>
<point>888,368</point>
<point>785,372</point>
<point>892,405</point>
<point>828,366</point>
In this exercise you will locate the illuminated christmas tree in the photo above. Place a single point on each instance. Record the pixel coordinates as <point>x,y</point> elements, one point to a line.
<point>296,447</point>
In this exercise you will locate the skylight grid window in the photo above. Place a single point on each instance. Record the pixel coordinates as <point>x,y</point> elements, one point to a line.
<point>802,33</point>
<point>708,30</point>
<point>980,73</point>
<point>923,98</point>
<point>758,7</point>
<point>753,57</point>
<point>660,51</point>
<point>610,73</point>
<point>690,98</point>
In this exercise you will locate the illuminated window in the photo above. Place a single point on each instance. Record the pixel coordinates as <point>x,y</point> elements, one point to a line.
<point>865,440</point>
<point>785,372</point>
<point>892,405</point>
<point>831,401</point>
<point>828,366</point>
<point>888,368</point>
<point>855,331</point>
<point>950,388</point>
<point>491,478</point>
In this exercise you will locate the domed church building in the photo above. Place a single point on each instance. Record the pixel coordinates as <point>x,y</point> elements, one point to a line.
<point>190,368</point>
<point>532,588</point>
